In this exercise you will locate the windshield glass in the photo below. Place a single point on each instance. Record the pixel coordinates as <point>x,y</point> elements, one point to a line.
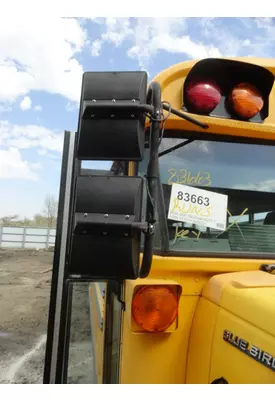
<point>237,182</point>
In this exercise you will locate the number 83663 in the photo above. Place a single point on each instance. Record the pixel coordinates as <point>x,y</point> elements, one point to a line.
<point>193,198</point>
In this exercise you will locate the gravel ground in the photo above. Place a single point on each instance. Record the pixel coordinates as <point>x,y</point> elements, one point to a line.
<point>24,301</point>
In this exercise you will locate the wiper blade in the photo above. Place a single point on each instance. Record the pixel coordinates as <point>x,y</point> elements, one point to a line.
<point>177,146</point>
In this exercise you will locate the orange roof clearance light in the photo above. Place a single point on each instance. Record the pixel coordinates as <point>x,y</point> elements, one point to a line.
<point>246,101</point>
<point>155,308</point>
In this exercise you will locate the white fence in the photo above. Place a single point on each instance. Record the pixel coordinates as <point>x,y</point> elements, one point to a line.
<point>26,237</point>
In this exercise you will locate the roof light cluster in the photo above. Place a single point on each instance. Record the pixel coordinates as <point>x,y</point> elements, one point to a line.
<point>244,100</point>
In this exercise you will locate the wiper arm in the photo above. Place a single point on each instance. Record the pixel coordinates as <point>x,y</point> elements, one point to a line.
<point>177,146</point>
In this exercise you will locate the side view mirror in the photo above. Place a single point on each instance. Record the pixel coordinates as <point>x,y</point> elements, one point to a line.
<point>102,217</point>
<point>106,211</point>
<point>107,227</point>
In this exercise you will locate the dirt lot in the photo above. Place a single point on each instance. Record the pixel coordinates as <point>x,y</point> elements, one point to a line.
<point>24,302</point>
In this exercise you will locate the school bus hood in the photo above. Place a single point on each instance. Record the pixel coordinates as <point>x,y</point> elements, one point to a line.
<point>249,296</point>
<point>233,330</point>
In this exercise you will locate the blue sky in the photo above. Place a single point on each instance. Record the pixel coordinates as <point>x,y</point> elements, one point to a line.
<point>40,81</point>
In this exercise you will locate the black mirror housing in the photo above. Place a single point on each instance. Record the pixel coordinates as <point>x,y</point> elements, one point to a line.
<point>111,123</point>
<point>107,227</point>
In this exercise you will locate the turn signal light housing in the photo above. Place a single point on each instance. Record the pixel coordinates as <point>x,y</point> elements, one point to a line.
<point>228,89</point>
<point>155,307</point>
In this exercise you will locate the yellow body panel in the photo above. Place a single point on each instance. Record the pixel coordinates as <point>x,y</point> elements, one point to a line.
<point>243,304</point>
<point>231,363</point>
<point>200,342</point>
<point>172,81</point>
<point>255,304</point>
<point>162,358</point>
<point>98,324</point>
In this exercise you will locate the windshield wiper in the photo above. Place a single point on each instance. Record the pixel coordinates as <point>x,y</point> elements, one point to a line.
<point>177,146</point>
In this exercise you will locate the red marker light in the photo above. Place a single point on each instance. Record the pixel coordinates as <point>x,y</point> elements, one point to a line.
<point>202,96</point>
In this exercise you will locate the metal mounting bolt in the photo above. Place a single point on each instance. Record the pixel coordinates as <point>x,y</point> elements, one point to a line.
<point>127,216</point>
<point>113,101</point>
<point>126,234</point>
<point>85,215</point>
<point>132,115</point>
<point>94,101</point>
<point>104,233</point>
<point>112,115</point>
<point>92,115</point>
<point>133,100</point>
<point>106,216</point>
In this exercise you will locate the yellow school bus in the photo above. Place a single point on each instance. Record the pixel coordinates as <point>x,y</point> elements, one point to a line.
<point>205,313</point>
<point>200,309</point>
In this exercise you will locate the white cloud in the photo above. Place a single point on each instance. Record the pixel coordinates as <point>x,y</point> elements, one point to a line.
<point>38,108</point>
<point>117,30</point>
<point>181,44</point>
<point>96,47</point>
<point>38,53</point>
<point>265,186</point>
<point>72,106</point>
<point>5,108</point>
<point>149,35</point>
<point>42,152</point>
<point>12,166</point>
<point>195,37</point>
<point>251,37</point>
<point>30,136</point>
<point>26,103</point>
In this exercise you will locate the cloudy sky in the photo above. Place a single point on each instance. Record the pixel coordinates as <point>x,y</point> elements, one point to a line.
<point>41,64</point>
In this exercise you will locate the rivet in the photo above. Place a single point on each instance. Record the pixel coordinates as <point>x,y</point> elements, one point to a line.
<point>112,115</point>
<point>85,215</point>
<point>133,100</point>
<point>94,101</point>
<point>113,101</point>
<point>132,115</point>
<point>104,233</point>
<point>106,216</point>
<point>127,216</point>
<point>92,115</point>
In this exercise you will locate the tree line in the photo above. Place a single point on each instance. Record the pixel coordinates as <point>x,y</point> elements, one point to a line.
<point>47,217</point>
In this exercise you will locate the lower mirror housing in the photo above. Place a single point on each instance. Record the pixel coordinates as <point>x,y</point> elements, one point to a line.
<point>106,239</point>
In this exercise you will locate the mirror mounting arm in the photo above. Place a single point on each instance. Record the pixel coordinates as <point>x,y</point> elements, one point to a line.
<point>152,176</point>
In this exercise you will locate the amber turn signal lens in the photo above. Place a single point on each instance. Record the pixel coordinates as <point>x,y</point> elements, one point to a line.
<point>155,308</point>
<point>246,100</point>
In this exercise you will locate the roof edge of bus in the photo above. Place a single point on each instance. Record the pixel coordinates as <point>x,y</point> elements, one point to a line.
<point>188,64</point>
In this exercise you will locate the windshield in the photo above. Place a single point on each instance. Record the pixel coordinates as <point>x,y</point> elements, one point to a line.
<point>236,181</point>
